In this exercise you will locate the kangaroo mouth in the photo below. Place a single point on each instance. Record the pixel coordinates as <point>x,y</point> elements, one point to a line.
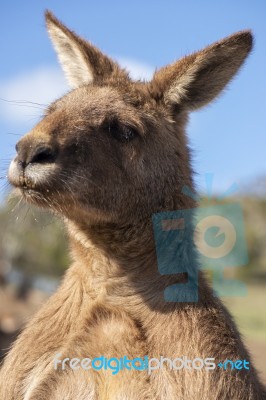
<point>36,179</point>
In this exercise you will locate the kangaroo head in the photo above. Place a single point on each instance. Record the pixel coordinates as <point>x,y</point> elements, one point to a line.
<point>112,148</point>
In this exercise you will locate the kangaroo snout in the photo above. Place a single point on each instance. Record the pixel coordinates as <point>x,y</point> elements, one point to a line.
<point>32,164</point>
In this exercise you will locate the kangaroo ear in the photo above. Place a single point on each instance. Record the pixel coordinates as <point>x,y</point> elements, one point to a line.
<point>197,79</point>
<point>82,63</point>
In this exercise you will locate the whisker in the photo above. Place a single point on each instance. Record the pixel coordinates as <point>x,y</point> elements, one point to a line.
<point>23,102</point>
<point>15,134</point>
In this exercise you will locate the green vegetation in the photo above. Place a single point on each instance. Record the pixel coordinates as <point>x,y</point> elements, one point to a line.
<point>249,312</point>
<point>32,240</point>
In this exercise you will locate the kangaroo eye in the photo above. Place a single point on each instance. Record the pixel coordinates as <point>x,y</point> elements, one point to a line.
<point>122,133</point>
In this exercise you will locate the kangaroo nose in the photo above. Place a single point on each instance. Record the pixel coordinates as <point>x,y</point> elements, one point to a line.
<point>33,164</point>
<point>38,154</point>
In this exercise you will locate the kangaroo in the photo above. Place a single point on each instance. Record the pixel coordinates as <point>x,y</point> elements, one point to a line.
<point>107,156</point>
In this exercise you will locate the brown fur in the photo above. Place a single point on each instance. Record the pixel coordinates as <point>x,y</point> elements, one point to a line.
<point>106,157</point>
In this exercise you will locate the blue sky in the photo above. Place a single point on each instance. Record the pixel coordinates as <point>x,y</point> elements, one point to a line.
<point>228,137</point>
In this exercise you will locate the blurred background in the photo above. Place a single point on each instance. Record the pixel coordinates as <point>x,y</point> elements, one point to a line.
<point>228,138</point>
